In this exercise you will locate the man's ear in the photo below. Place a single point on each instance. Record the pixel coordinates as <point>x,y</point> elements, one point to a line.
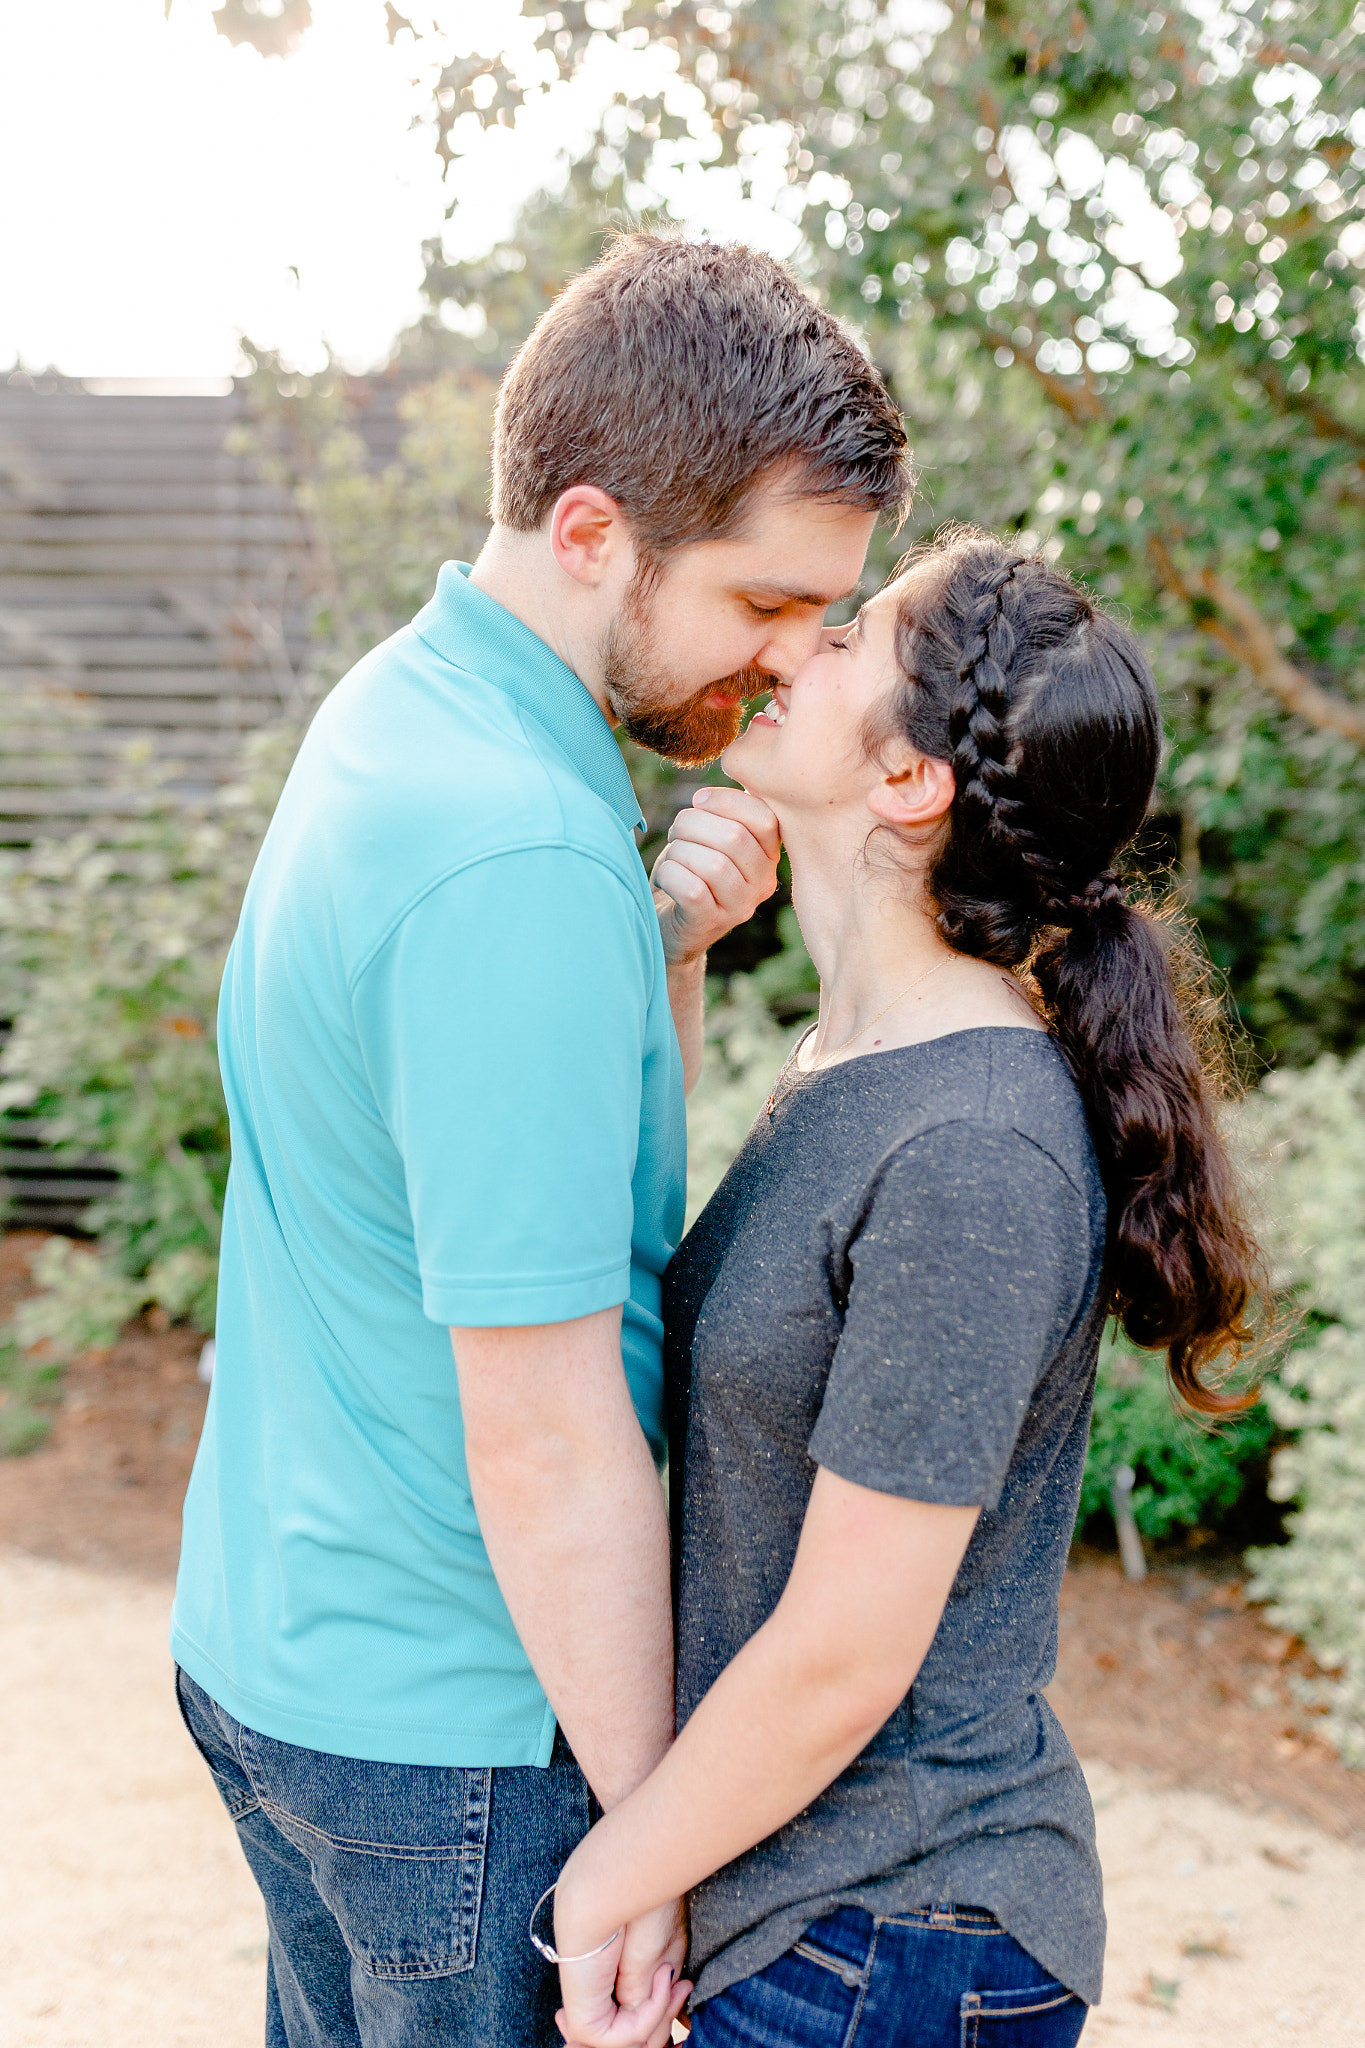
<point>915,795</point>
<point>588,534</point>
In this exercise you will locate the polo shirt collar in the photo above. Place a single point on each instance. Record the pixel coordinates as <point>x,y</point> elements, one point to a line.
<point>474,632</point>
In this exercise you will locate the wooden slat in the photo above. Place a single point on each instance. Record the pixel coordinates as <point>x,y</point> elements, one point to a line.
<point>174,648</point>
<point>78,801</point>
<point>82,623</point>
<point>231,524</point>
<point>240,714</point>
<point>148,435</point>
<point>31,752</point>
<point>68,404</point>
<point>56,589</point>
<point>150,684</point>
<point>169,469</point>
<point>191,493</point>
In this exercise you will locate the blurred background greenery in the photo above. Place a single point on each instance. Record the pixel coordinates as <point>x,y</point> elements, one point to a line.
<point>1110,262</point>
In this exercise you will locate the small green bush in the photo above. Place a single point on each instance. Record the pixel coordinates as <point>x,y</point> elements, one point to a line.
<point>745,1051</point>
<point>112,945</point>
<point>1189,1475</point>
<point>1310,1126</point>
<point>84,1303</point>
<point>29,1392</point>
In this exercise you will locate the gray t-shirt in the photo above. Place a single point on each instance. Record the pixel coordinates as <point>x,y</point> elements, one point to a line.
<point>899,1279</point>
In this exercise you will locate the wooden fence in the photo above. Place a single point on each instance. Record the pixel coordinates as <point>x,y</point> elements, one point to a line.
<point>154,585</point>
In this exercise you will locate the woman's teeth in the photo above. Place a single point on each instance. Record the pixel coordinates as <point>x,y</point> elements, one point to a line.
<point>774,711</point>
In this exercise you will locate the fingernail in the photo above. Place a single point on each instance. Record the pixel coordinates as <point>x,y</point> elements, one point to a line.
<point>703,797</point>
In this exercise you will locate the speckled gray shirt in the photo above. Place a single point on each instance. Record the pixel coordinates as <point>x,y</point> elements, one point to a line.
<point>899,1279</point>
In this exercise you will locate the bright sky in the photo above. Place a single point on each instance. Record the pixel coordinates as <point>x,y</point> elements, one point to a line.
<point>165,191</point>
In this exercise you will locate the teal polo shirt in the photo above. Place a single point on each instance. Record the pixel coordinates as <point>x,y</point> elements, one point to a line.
<point>456,1097</point>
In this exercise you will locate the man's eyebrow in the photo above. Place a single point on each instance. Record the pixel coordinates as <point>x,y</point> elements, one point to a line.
<point>775,586</point>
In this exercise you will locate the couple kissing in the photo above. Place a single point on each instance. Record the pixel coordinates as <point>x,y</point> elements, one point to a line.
<point>510,1759</point>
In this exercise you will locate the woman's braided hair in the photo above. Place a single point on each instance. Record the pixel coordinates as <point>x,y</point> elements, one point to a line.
<point>1048,712</point>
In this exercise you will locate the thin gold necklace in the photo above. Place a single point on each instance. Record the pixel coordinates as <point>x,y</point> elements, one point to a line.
<point>817,1055</point>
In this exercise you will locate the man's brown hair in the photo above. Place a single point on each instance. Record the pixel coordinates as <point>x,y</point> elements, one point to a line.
<point>673,375</point>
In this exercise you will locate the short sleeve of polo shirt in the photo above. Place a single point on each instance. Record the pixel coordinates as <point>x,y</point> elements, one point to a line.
<point>503,1026</point>
<point>968,1272</point>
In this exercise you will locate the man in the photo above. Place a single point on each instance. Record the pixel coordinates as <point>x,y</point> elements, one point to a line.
<point>422,1621</point>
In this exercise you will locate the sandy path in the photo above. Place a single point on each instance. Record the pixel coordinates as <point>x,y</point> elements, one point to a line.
<point>130,1919</point>
<point>131,1922</point>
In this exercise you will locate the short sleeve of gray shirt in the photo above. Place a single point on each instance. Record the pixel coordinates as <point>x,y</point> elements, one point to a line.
<point>966,1274</point>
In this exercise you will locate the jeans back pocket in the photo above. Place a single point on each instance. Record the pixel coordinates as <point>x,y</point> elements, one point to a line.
<point>396,1851</point>
<point>1037,2016</point>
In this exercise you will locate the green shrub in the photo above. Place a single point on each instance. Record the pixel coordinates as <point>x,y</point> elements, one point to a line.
<point>1189,1475</point>
<point>29,1391</point>
<point>787,980</point>
<point>112,943</point>
<point>84,1303</point>
<point>744,1052</point>
<point>1311,1128</point>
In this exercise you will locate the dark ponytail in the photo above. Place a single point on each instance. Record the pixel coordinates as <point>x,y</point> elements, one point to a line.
<point>1048,712</point>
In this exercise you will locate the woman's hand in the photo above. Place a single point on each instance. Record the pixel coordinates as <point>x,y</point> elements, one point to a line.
<point>629,1996</point>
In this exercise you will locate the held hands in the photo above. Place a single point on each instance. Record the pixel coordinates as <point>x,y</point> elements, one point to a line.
<point>719,864</point>
<point>630,1995</point>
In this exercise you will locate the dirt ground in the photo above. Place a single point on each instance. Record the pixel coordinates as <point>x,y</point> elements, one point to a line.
<point>1233,1841</point>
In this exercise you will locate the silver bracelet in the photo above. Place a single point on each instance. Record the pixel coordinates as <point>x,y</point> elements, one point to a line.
<point>542,1948</point>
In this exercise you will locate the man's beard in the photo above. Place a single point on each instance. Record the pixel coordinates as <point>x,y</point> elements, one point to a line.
<point>690,732</point>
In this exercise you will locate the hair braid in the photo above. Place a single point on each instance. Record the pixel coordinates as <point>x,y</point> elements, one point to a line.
<point>989,799</point>
<point>976,729</point>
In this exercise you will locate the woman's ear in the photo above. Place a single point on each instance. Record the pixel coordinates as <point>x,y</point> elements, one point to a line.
<point>918,794</point>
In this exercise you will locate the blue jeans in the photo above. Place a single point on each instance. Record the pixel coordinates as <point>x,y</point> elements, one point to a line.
<point>937,1977</point>
<point>396,1895</point>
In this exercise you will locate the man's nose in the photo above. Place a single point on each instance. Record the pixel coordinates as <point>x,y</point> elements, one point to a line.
<point>788,647</point>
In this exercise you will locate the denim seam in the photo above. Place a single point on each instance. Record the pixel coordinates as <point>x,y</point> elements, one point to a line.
<point>398,1852</point>
<point>477,1808</point>
<point>848,1972</point>
<point>930,1927</point>
<point>236,1811</point>
<point>959,1925</point>
<point>408,1973</point>
<point>1024,2011</point>
<point>973,2011</point>
<point>861,2000</point>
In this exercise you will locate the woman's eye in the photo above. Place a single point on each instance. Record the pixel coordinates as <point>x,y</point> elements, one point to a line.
<point>839,643</point>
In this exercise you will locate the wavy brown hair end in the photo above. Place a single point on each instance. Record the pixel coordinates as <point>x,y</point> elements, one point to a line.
<point>1048,712</point>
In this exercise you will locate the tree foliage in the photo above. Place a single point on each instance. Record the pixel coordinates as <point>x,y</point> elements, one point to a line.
<point>1111,263</point>
<point>274,27</point>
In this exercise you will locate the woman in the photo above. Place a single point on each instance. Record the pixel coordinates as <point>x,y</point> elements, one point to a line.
<point>883,1333</point>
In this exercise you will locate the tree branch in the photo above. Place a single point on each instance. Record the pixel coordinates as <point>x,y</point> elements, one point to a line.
<point>1324,422</point>
<point>1080,402</point>
<point>1230,617</point>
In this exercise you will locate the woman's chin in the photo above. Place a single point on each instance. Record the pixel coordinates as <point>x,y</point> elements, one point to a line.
<point>746,754</point>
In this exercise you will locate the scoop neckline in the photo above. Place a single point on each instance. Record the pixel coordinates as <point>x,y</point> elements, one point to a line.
<point>915,1045</point>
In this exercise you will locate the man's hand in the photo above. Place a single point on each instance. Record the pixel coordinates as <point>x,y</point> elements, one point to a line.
<point>719,864</point>
<point>629,1996</point>
<point>657,1937</point>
